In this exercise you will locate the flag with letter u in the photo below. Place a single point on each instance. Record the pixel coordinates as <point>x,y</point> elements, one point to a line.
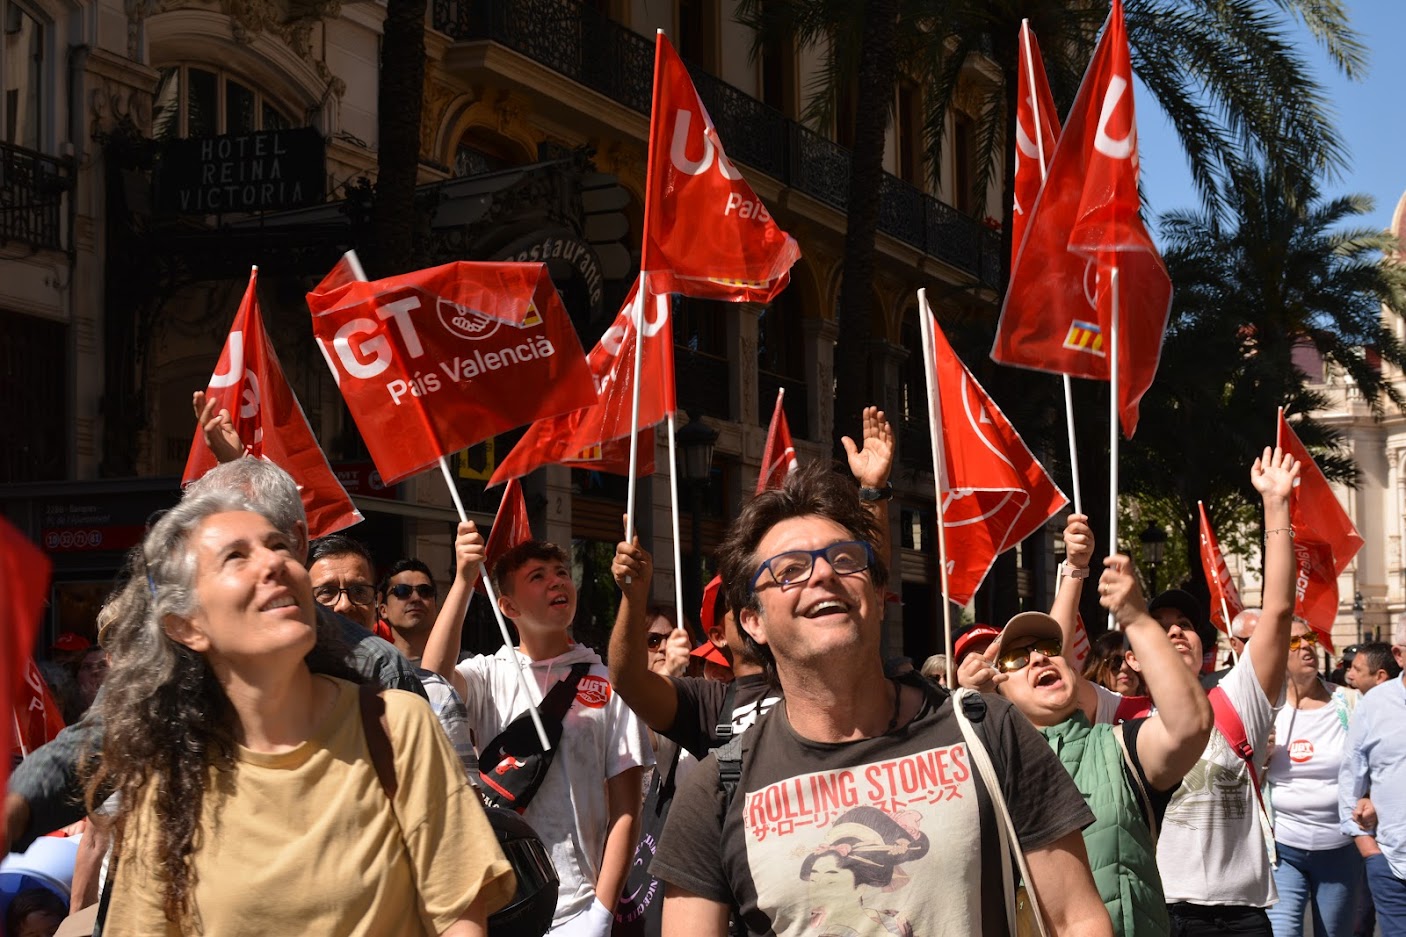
<point>1058,314</point>
<point>26,575</point>
<point>437,360</point>
<point>1036,132</point>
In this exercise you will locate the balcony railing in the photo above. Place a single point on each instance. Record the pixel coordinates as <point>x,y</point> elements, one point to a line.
<point>32,187</point>
<point>581,43</point>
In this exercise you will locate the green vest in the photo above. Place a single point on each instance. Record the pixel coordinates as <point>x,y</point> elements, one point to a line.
<point>1121,852</point>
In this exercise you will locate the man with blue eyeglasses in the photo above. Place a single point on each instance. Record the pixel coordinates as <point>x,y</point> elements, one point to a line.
<point>856,805</point>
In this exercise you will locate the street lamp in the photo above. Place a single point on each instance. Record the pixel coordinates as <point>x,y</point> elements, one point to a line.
<point>1357,611</point>
<point>695,440</point>
<point>1154,544</point>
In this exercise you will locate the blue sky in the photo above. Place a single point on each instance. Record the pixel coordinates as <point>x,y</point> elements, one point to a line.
<point>1371,120</point>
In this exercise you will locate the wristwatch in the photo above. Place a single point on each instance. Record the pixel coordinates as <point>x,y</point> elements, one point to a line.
<point>1073,572</point>
<point>876,494</point>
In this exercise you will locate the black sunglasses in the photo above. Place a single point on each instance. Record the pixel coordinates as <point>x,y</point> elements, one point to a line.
<point>402,591</point>
<point>656,639</point>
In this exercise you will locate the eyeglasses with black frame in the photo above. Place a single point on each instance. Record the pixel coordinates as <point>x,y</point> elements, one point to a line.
<point>403,590</point>
<point>357,593</point>
<point>793,567</point>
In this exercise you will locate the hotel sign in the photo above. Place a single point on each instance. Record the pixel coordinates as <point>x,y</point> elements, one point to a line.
<point>269,170</point>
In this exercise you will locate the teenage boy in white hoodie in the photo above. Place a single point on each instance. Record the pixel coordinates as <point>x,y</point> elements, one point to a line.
<point>587,809</point>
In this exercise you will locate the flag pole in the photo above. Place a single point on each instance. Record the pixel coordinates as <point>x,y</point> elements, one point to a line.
<point>19,733</point>
<point>925,324</point>
<point>1225,616</point>
<point>678,538</point>
<point>1040,150</point>
<point>354,264</point>
<point>1113,430</point>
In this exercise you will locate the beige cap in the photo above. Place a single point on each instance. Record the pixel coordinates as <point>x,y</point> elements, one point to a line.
<point>1028,624</point>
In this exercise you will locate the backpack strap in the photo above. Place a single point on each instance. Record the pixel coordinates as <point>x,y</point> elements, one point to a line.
<point>722,731</point>
<point>378,737</point>
<point>1143,797</point>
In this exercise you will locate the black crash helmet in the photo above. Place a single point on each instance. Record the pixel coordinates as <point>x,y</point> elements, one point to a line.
<point>529,912</point>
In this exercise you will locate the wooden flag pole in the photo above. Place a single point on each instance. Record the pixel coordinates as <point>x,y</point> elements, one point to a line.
<point>1113,430</point>
<point>925,324</point>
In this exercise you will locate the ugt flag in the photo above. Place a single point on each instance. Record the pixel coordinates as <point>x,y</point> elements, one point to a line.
<point>26,575</point>
<point>437,360</point>
<point>779,455</point>
<point>706,232</point>
<point>249,383</point>
<point>1059,310</point>
<point>1036,131</point>
<point>598,436</point>
<point>1325,540</point>
<point>1225,598</point>
<point>994,493</point>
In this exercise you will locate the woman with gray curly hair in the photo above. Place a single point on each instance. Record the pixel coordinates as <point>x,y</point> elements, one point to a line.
<point>249,800</point>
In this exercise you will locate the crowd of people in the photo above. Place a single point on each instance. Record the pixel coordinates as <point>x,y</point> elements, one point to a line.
<point>287,743</point>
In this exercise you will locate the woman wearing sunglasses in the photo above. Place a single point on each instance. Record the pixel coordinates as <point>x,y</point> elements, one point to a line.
<point>1316,864</point>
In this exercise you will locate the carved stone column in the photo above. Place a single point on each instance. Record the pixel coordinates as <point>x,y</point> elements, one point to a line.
<point>820,336</point>
<point>558,491</point>
<point>742,375</point>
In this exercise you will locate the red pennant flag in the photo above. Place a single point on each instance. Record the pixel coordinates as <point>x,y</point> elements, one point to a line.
<point>37,714</point>
<point>25,572</point>
<point>1036,132</point>
<point>437,360</point>
<point>707,233</point>
<point>1058,313</point>
<point>994,493</point>
<point>249,383</point>
<point>779,456</point>
<point>1325,540</point>
<point>510,527</point>
<point>598,437</point>
<point>1225,598</point>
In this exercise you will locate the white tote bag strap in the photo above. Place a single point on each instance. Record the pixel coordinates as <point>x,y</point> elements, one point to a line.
<point>1005,827</point>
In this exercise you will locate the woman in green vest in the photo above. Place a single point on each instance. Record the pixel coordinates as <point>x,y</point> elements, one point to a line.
<point>1126,772</point>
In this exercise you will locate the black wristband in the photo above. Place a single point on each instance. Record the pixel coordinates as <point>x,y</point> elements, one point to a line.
<point>876,494</point>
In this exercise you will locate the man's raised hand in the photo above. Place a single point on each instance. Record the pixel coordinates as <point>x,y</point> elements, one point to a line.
<point>872,464</point>
<point>469,551</point>
<point>632,568</point>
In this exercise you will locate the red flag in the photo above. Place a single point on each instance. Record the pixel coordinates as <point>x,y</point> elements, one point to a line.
<point>1325,540</point>
<point>1225,598</point>
<point>249,383</point>
<point>994,493</point>
<point>1036,131</point>
<point>779,456</point>
<point>25,572</point>
<point>510,527</point>
<point>437,360</point>
<point>707,233</point>
<point>37,715</point>
<point>1058,313</point>
<point>598,437</point>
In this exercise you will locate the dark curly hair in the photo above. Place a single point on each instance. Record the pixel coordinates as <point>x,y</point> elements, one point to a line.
<point>166,719</point>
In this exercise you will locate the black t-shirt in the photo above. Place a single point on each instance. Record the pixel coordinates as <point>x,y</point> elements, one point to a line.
<point>890,834</point>
<point>1160,799</point>
<point>700,709</point>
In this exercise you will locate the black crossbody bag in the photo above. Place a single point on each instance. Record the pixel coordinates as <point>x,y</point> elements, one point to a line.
<point>513,765</point>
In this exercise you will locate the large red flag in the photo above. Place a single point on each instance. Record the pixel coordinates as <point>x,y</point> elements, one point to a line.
<point>437,360</point>
<point>25,572</point>
<point>598,437</point>
<point>510,527</point>
<point>707,233</point>
<point>994,492</point>
<point>1225,598</point>
<point>249,383</point>
<point>1036,131</point>
<point>1059,308</point>
<point>779,455</point>
<point>1325,540</point>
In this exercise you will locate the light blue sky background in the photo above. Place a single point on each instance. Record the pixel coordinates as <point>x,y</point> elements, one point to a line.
<point>1371,119</point>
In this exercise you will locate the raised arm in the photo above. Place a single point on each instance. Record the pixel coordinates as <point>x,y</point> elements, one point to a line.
<point>871,466</point>
<point>649,694</point>
<point>217,428</point>
<point>442,647</point>
<point>1078,550</point>
<point>1273,476</point>
<point>1171,741</point>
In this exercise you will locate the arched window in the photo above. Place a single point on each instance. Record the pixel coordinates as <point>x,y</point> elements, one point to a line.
<point>192,101</point>
<point>23,43</point>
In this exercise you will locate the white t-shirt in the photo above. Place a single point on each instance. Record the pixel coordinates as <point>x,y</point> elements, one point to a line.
<point>601,738</point>
<point>1212,850</point>
<point>1303,777</point>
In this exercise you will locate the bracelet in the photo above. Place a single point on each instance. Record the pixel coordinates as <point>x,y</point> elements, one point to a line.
<point>1073,572</point>
<point>876,494</point>
<point>1281,530</point>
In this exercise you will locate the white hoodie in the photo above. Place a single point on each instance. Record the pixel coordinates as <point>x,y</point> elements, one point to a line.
<point>601,738</point>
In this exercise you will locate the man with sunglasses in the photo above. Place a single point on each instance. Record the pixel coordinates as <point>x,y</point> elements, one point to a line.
<point>856,797</point>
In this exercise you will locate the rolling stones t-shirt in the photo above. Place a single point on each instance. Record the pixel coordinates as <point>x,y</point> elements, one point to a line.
<point>889,835</point>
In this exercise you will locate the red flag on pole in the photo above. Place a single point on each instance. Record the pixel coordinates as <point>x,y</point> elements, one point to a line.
<point>598,437</point>
<point>994,493</point>
<point>249,383</point>
<point>1036,132</point>
<point>1225,598</point>
<point>25,572</point>
<point>1325,540</point>
<point>708,235</point>
<point>779,455</point>
<point>510,527</point>
<point>434,361</point>
<point>1058,311</point>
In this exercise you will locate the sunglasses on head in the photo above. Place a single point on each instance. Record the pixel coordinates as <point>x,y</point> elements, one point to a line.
<point>1018,658</point>
<point>1297,641</point>
<point>403,591</point>
<point>656,639</point>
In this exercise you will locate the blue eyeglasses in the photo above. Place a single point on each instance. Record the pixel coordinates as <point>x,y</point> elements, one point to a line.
<point>795,566</point>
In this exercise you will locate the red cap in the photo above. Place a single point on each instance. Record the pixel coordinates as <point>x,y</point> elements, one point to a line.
<point>70,643</point>
<point>711,652</point>
<point>976,635</point>
<point>710,604</point>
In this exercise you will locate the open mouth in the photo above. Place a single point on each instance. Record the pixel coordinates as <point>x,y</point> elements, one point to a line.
<point>826,607</point>
<point>559,601</point>
<point>280,601</point>
<point>1047,678</point>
